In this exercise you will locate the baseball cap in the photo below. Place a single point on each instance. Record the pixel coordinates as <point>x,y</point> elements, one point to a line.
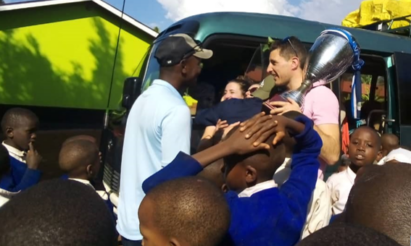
<point>265,88</point>
<point>173,49</point>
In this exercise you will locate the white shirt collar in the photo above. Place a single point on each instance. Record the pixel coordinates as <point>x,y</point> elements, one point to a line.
<point>16,153</point>
<point>350,175</point>
<point>83,181</point>
<point>257,188</point>
<point>6,193</point>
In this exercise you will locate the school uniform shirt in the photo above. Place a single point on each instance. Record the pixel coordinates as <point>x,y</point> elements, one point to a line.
<point>5,196</point>
<point>158,128</point>
<point>340,185</point>
<point>20,177</point>
<point>319,208</point>
<point>263,215</point>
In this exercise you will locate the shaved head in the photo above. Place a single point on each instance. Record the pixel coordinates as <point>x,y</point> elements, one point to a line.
<point>76,155</point>
<point>192,210</point>
<point>389,142</point>
<point>81,137</point>
<point>380,199</point>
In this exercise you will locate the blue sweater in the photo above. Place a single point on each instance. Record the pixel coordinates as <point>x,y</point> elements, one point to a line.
<point>20,177</point>
<point>232,110</point>
<point>274,216</point>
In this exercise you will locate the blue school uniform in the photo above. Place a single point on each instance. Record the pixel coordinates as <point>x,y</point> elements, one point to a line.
<point>20,176</point>
<point>272,216</point>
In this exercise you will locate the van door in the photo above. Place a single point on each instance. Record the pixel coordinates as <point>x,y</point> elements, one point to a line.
<point>401,62</point>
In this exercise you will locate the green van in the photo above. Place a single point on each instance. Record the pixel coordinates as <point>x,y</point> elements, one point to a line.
<point>238,40</point>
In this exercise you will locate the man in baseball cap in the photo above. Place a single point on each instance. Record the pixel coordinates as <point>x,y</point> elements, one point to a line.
<point>158,126</point>
<point>266,86</point>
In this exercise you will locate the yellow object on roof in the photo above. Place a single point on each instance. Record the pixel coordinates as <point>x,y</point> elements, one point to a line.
<point>372,11</point>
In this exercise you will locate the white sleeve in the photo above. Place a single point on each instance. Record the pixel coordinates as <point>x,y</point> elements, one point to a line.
<point>175,133</point>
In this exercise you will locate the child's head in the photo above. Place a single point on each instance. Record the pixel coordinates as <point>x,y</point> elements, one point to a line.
<point>81,137</point>
<point>80,159</point>
<point>364,146</point>
<point>4,160</point>
<point>57,212</point>
<point>186,212</point>
<point>19,125</point>
<point>242,171</point>
<point>389,142</point>
<point>380,199</point>
<point>347,234</point>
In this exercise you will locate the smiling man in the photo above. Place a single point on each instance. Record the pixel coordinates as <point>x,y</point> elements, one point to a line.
<point>287,62</point>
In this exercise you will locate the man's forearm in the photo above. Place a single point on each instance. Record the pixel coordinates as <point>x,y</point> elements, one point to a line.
<point>212,154</point>
<point>330,152</point>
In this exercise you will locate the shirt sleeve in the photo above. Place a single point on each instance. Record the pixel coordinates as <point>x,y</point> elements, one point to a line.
<point>325,107</point>
<point>176,133</point>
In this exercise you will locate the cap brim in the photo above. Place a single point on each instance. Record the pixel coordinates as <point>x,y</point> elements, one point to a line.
<point>260,93</point>
<point>203,54</point>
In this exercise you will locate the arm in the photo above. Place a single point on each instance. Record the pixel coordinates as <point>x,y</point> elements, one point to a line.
<point>176,133</point>
<point>304,167</point>
<point>325,114</point>
<point>31,177</point>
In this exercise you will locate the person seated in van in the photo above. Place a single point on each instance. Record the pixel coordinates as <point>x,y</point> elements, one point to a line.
<point>261,213</point>
<point>363,149</point>
<point>80,160</point>
<point>234,107</point>
<point>19,127</point>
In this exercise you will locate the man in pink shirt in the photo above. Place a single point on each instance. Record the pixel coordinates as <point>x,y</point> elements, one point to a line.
<point>287,62</point>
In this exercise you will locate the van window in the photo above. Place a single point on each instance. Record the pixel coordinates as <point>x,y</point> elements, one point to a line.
<point>153,70</point>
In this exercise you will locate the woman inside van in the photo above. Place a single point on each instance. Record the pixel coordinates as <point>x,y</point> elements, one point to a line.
<point>237,88</point>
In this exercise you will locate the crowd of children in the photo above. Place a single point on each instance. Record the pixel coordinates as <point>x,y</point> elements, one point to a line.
<point>257,186</point>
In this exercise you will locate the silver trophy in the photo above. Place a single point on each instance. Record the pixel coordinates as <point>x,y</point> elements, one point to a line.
<point>332,53</point>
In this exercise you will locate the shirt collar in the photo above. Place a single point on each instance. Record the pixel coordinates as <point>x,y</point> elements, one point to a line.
<point>350,175</point>
<point>257,188</point>
<point>16,153</point>
<point>83,181</point>
<point>164,83</point>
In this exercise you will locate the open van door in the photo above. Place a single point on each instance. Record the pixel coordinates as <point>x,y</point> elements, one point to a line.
<point>401,63</point>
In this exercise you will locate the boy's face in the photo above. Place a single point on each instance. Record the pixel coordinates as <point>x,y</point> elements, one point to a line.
<point>363,147</point>
<point>234,176</point>
<point>23,133</point>
<point>95,168</point>
<point>152,236</point>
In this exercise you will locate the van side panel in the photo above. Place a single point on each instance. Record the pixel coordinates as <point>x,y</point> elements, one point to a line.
<point>62,56</point>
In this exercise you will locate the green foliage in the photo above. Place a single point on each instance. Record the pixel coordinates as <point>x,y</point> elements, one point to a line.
<point>267,46</point>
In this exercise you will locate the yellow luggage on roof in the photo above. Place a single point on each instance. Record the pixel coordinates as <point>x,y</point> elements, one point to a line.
<point>373,11</point>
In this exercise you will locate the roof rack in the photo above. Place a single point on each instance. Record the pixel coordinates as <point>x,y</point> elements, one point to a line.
<point>385,26</point>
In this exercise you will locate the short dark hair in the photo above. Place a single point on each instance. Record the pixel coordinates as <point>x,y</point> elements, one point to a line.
<point>57,212</point>
<point>289,47</point>
<point>373,131</point>
<point>191,208</point>
<point>342,234</point>
<point>4,160</point>
<point>13,116</point>
<point>77,153</point>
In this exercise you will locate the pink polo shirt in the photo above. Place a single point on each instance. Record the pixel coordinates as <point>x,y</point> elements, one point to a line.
<point>321,105</point>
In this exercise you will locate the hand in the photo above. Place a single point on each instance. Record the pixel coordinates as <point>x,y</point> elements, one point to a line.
<point>262,126</point>
<point>33,158</point>
<point>283,107</point>
<point>228,129</point>
<point>221,125</point>
<point>236,143</point>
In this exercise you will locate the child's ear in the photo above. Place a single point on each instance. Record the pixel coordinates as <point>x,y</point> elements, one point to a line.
<point>251,175</point>
<point>174,242</point>
<point>89,170</point>
<point>9,132</point>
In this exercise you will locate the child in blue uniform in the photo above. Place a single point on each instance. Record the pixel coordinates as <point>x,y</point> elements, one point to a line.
<point>261,213</point>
